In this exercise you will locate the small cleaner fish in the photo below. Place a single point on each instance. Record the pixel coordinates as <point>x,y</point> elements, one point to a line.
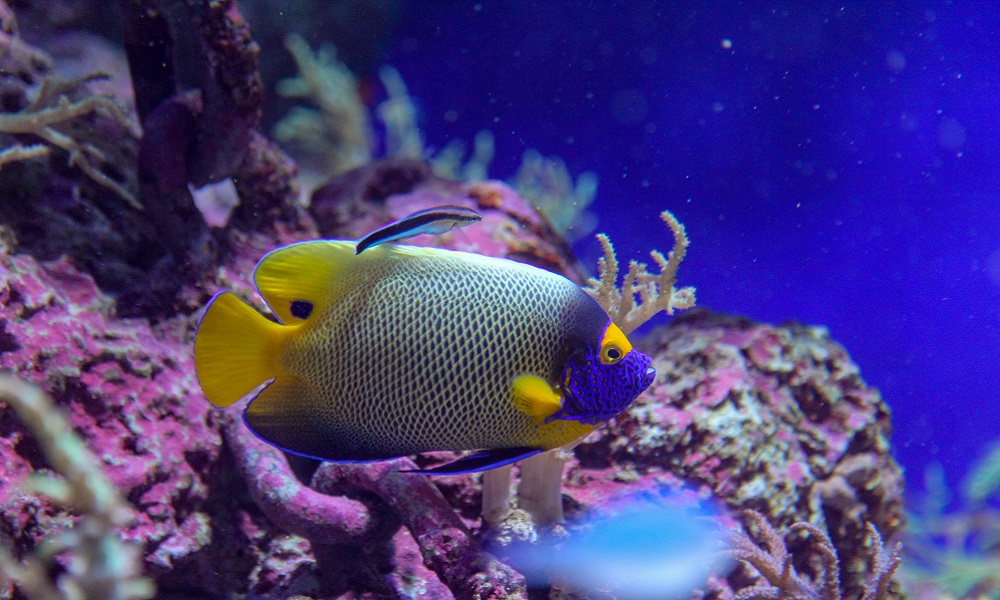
<point>403,350</point>
<point>433,221</point>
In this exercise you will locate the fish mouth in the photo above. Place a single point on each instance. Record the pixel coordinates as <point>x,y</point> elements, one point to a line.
<point>648,378</point>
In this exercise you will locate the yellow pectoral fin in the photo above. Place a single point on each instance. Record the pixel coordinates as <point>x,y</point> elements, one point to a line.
<point>534,396</point>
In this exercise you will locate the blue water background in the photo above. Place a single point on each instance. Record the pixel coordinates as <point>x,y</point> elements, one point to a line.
<point>837,165</point>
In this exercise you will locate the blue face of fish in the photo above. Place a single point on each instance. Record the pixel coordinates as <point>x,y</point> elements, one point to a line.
<point>599,383</point>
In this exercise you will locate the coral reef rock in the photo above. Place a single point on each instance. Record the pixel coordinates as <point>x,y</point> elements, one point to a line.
<point>774,419</point>
<point>128,390</point>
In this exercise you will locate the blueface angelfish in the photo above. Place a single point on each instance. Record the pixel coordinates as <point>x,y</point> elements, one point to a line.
<point>402,350</point>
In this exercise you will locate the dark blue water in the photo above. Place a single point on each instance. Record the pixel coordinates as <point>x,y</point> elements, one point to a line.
<point>835,163</point>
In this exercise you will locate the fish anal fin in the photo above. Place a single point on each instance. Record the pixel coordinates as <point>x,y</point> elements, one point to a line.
<point>285,414</point>
<point>234,349</point>
<point>300,272</point>
<point>481,461</point>
<point>534,396</point>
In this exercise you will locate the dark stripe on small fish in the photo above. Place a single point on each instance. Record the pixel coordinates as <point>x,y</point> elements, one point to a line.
<point>432,221</point>
<point>480,461</point>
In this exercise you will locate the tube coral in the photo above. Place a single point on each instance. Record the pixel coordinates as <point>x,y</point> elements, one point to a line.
<point>540,491</point>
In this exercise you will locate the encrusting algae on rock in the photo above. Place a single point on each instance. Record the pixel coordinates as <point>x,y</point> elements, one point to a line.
<point>96,563</point>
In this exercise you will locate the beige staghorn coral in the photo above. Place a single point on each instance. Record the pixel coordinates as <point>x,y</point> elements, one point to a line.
<point>546,183</point>
<point>642,294</point>
<point>52,108</point>
<point>19,152</point>
<point>399,115</point>
<point>337,133</point>
<point>100,565</point>
<point>18,58</point>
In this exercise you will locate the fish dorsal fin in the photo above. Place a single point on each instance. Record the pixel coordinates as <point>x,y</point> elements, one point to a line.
<point>534,396</point>
<point>295,280</point>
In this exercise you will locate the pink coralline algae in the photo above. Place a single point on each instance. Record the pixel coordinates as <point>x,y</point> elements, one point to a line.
<point>775,419</point>
<point>127,390</point>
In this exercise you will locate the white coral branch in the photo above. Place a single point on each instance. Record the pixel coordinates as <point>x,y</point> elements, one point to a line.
<point>642,294</point>
<point>53,107</point>
<point>19,152</point>
<point>101,565</point>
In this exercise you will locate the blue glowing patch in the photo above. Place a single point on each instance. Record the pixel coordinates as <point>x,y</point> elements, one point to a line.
<point>658,548</point>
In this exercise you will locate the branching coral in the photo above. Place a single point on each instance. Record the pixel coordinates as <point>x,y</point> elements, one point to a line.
<point>779,578</point>
<point>403,137</point>
<point>19,152</point>
<point>448,162</point>
<point>547,185</point>
<point>959,552</point>
<point>984,480</point>
<point>52,110</point>
<point>100,565</point>
<point>338,134</point>
<point>642,294</point>
<point>17,58</point>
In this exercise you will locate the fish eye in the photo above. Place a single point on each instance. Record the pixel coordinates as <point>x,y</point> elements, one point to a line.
<point>301,309</point>
<point>611,354</point>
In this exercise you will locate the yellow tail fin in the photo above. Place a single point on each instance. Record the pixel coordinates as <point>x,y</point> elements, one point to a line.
<point>235,349</point>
